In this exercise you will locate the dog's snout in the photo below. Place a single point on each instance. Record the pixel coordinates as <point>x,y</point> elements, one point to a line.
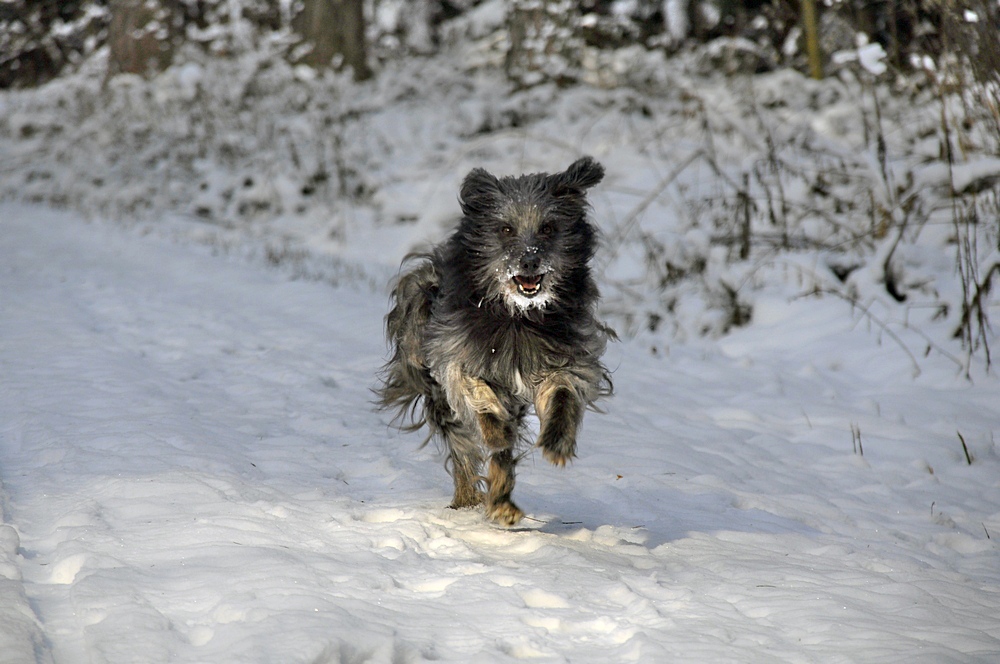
<point>531,263</point>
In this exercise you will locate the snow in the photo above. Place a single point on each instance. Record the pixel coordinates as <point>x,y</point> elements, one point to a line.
<point>191,469</point>
<point>192,472</point>
<point>313,168</point>
<point>961,176</point>
<point>675,14</point>
<point>870,56</point>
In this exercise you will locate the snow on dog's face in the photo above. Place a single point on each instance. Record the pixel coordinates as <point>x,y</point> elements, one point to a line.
<point>527,237</point>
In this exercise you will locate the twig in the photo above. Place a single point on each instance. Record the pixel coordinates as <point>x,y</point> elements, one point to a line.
<point>746,207</point>
<point>629,221</point>
<point>976,305</point>
<point>965,448</point>
<point>883,326</point>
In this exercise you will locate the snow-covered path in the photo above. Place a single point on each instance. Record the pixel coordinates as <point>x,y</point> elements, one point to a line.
<point>191,463</point>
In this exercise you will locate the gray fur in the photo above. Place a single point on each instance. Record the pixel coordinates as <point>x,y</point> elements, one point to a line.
<point>499,319</point>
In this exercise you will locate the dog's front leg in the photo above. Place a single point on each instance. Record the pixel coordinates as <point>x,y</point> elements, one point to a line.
<point>499,506</point>
<point>499,433</point>
<point>499,436</point>
<point>478,407</point>
<point>560,411</point>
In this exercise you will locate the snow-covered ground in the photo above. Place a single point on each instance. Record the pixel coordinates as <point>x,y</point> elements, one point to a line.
<point>799,465</point>
<point>192,472</point>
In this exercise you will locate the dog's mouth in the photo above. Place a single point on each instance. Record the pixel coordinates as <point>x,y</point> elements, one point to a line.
<point>528,286</point>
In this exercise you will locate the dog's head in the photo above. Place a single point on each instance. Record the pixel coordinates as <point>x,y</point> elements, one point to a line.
<point>527,238</point>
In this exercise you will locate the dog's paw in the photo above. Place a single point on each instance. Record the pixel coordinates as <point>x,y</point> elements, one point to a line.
<point>467,500</point>
<point>505,513</point>
<point>558,458</point>
<point>557,449</point>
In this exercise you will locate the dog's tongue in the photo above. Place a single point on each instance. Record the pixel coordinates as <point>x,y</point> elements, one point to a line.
<point>528,283</point>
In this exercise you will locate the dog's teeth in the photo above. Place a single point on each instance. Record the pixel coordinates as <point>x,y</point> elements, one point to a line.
<point>528,285</point>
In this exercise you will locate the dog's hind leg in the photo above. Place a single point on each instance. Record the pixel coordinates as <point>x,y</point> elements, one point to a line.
<point>465,458</point>
<point>466,465</point>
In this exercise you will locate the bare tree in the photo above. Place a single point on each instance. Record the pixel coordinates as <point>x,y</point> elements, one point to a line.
<point>334,30</point>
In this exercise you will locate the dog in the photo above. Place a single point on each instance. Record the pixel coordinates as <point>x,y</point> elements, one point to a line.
<point>499,319</point>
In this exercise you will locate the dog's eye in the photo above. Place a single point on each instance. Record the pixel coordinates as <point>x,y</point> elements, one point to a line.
<point>546,230</point>
<point>507,230</point>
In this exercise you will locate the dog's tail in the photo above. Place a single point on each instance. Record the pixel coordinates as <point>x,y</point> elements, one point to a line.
<point>406,381</point>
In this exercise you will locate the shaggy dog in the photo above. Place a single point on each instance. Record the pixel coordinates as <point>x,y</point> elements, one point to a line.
<point>496,320</point>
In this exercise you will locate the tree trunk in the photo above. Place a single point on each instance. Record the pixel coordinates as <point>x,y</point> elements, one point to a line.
<point>545,43</point>
<point>140,36</point>
<point>335,32</point>
<point>812,39</point>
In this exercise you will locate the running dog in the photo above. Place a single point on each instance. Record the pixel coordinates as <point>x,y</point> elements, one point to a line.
<point>498,319</point>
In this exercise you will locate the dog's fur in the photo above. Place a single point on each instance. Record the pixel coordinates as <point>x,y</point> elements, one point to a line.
<point>497,319</point>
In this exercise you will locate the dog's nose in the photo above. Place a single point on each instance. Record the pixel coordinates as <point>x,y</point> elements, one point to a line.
<point>530,263</point>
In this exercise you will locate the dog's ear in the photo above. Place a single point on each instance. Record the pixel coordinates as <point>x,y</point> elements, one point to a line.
<point>480,192</point>
<point>582,174</point>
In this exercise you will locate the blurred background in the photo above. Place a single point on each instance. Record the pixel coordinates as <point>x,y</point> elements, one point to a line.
<point>42,37</point>
<point>841,149</point>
